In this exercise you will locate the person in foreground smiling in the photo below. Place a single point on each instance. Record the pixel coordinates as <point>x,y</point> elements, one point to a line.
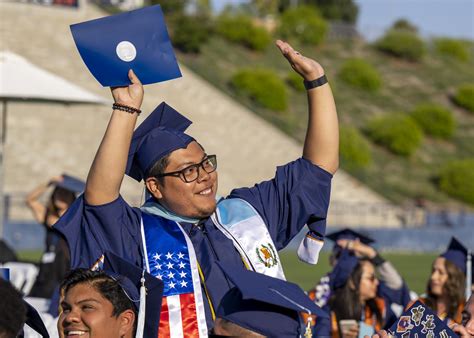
<point>183,230</point>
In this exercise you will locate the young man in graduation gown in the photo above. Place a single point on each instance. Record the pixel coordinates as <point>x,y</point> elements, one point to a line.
<point>182,230</point>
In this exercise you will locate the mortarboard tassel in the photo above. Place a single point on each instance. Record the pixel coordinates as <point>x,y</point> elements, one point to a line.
<point>141,310</point>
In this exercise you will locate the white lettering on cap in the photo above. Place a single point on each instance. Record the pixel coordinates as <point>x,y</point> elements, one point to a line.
<point>126,51</point>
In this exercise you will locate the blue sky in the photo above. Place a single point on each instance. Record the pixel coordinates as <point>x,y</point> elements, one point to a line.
<point>452,18</point>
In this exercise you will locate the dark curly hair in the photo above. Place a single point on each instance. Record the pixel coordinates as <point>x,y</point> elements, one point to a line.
<point>345,301</point>
<point>12,310</point>
<point>453,289</point>
<point>109,288</point>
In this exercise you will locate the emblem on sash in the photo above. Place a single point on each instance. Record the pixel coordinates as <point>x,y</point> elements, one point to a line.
<point>267,255</point>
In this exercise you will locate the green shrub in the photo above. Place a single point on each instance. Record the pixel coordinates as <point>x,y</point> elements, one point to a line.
<point>456,178</point>
<point>304,23</point>
<point>263,86</point>
<point>240,29</point>
<point>354,148</point>
<point>452,48</point>
<point>190,33</point>
<point>399,133</point>
<point>360,74</point>
<point>402,43</point>
<point>435,120</point>
<point>464,97</point>
<point>295,81</point>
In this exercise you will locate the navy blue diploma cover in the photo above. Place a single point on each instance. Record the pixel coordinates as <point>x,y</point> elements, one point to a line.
<point>137,40</point>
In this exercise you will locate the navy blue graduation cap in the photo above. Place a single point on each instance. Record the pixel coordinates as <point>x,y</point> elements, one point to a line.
<point>346,264</point>
<point>161,133</point>
<point>456,253</point>
<point>264,304</point>
<point>144,290</point>
<point>72,183</point>
<point>137,40</point>
<point>351,235</point>
<point>419,320</point>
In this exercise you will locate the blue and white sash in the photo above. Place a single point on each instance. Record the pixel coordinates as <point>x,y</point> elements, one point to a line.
<point>241,223</point>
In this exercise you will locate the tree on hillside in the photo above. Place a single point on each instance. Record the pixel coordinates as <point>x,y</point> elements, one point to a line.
<point>339,10</point>
<point>404,24</point>
<point>265,7</point>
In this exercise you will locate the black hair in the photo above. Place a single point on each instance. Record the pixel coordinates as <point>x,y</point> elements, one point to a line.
<point>159,168</point>
<point>108,287</point>
<point>12,311</point>
<point>345,301</point>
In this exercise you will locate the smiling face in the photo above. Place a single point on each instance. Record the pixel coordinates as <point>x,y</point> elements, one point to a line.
<point>195,199</point>
<point>439,276</point>
<point>368,282</point>
<point>85,313</point>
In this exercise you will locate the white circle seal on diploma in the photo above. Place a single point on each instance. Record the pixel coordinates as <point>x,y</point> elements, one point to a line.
<point>126,51</point>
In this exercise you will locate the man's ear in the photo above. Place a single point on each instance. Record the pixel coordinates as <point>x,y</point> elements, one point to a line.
<point>127,323</point>
<point>154,187</point>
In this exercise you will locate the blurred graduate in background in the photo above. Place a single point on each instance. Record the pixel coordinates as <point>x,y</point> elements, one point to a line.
<point>55,260</point>
<point>391,284</point>
<point>446,288</point>
<point>359,304</point>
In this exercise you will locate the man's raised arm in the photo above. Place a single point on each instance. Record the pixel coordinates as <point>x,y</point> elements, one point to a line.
<point>321,145</point>
<point>107,171</point>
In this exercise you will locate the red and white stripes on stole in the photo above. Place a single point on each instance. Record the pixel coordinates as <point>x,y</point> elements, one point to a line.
<point>178,317</point>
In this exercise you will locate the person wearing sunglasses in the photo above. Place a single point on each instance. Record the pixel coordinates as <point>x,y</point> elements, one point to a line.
<point>356,307</point>
<point>183,229</point>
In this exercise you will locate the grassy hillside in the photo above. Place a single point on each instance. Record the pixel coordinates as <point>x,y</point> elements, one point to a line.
<point>405,85</point>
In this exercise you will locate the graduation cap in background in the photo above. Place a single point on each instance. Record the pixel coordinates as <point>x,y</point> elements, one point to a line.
<point>350,235</point>
<point>137,40</point>
<point>456,253</point>
<point>345,265</point>
<point>71,183</point>
<point>145,294</point>
<point>160,133</point>
<point>266,305</point>
<point>419,320</point>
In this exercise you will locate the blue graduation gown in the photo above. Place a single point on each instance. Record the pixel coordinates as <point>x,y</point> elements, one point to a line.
<point>297,195</point>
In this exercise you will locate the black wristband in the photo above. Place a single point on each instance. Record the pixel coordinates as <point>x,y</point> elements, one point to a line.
<point>315,83</point>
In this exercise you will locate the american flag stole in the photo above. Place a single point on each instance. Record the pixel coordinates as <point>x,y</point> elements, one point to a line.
<point>170,256</point>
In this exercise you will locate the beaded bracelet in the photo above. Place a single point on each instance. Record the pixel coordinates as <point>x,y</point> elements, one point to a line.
<point>128,109</point>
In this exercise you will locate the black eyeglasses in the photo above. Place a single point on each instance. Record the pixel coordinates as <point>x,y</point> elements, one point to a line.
<point>191,173</point>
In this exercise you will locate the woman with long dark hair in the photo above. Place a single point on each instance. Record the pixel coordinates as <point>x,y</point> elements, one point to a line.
<point>355,305</point>
<point>445,290</point>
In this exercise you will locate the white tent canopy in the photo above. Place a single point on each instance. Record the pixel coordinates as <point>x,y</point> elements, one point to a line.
<point>20,79</point>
